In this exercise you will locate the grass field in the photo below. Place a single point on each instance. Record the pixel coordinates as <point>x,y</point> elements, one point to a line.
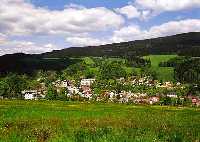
<point>82,122</point>
<point>164,73</point>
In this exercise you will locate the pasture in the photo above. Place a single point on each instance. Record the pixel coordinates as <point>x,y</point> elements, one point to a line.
<point>163,73</point>
<point>96,122</point>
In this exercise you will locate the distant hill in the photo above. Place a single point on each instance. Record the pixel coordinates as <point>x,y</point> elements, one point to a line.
<point>22,63</point>
<point>187,44</point>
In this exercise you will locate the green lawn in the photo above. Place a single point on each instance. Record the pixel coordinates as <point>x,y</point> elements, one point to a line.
<point>83,122</point>
<point>88,60</point>
<point>156,59</point>
<point>164,73</point>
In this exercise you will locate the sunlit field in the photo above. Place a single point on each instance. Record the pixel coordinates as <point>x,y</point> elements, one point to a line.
<point>163,73</point>
<point>96,122</point>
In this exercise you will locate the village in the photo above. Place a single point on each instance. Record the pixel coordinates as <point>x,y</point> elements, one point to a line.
<point>84,92</point>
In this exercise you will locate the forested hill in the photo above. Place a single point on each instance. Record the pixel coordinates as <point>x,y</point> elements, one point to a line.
<point>23,63</point>
<point>182,44</point>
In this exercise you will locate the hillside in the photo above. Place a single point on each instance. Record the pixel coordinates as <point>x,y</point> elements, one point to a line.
<point>23,63</point>
<point>187,44</point>
<point>182,44</point>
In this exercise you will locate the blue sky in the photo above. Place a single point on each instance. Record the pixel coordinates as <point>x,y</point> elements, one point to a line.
<point>37,26</point>
<point>59,4</point>
<point>112,4</point>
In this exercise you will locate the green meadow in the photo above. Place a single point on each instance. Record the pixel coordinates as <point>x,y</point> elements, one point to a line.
<point>163,73</point>
<point>58,121</point>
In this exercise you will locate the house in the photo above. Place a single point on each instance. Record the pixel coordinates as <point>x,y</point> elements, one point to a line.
<point>87,92</point>
<point>123,100</point>
<point>88,95</point>
<point>172,95</point>
<point>87,82</point>
<point>65,83</point>
<point>73,90</point>
<point>122,79</point>
<point>112,95</point>
<point>32,95</point>
<point>166,85</point>
<point>61,84</point>
<point>178,84</point>
<point>150,83</point>
<point>153,100</point>
<point>139,101</point>
<point>194,99</point>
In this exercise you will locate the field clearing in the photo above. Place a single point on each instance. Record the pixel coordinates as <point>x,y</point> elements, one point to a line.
<point>164,73</point>
<point>156,59</point>
<point>96,122</point>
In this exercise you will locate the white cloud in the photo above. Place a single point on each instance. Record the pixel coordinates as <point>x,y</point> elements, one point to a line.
<point>159,6</point>
<point>130,11</point>
<point>18,18</point>
<point>145,9</point>
<point>176,27</point>
<point>168,5</point>
<point>28,47</point>
<point>3,38</point>
<point>133,32</point>
<point>85,41</point>
<point>128,33</point>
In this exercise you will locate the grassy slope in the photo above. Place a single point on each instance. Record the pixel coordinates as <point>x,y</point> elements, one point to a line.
<point>89,62</point>
<point>64,121</point>
<point>164,73</point>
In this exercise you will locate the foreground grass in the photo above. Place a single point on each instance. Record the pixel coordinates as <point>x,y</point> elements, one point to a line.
<point>82,122</point>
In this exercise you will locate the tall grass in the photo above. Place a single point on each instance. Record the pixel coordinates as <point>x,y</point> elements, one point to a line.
<point>96,122</point>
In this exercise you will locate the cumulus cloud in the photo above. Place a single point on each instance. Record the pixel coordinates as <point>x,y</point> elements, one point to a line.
<point>168,5</point>
<point>129,11</point>
<point>3,38</point>
<point>145,9</point>
<point>28,47</point>
<point>158,6</point>
<point>85,41</point>
<point>19,17</point>
<point>133,32</point>
<point>81,26</point>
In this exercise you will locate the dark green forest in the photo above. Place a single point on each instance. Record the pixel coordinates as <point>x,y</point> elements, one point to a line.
<point>186,65</point>
<point>187,44</point>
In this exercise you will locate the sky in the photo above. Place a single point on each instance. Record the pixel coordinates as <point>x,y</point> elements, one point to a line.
<point>38,26</point>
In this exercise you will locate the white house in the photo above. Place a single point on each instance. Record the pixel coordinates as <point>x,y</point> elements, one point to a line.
<point>153,100</point>
<point>87,82</point>
<point>73,90</point>
<point>172,95</point>
<point>31,95</point>
<point>62,84</point>
<point>166,85</point>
